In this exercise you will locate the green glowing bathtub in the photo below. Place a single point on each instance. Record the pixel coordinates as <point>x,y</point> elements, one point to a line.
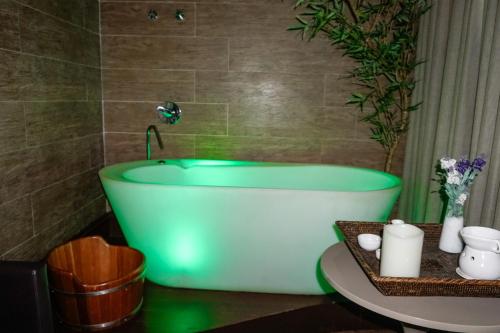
<point>243,226</point>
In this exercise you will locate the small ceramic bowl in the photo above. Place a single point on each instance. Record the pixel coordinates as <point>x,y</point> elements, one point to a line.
<point>369,242</point>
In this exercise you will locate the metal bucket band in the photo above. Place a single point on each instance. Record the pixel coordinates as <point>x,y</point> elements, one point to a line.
<point>101,292</point>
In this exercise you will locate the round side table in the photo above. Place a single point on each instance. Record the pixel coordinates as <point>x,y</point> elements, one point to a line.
<point>456,314</point>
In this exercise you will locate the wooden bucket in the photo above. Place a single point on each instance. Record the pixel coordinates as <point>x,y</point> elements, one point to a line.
<point>95,285</point>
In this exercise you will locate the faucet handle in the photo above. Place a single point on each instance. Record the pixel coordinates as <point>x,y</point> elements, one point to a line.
<point>169,113</point>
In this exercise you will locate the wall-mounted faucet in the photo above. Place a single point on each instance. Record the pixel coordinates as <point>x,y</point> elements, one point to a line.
<point>148,140</point>
<point>169,113</point>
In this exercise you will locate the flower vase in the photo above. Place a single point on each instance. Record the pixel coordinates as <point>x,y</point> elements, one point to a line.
<point>450,240</point>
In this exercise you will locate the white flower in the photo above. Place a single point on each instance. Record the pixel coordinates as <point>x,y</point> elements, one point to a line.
<point>461,199</point>
<point>447,163</point>
<point>453,178</point>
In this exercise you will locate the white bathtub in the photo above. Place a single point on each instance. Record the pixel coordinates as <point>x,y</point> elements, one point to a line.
<point>241,226</point>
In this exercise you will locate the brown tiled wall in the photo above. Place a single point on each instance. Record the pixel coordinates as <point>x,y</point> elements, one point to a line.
<point>50,123</point>
<point>249,89</point>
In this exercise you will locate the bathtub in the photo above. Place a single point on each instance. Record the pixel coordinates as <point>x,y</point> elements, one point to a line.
<point>241,226</point>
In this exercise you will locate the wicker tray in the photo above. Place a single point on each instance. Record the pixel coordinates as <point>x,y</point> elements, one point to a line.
<point>437,271</point>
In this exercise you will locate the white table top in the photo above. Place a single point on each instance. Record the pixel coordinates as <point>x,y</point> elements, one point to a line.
<point>458,314</point>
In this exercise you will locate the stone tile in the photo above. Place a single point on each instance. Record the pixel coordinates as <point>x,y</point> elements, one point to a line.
<point>91,49</point>
<point>46,36</point>
<point>91,18</point>
<point>52,80</point>
<point>93,84</point>
<point>258,149</point>
<point>179,53</point>
<point>208,119</point>
<point>15,181</point>
<point>132,18</point>
<point>366,154</point>
<point>338,122</point>
<point>58,201</point>
<point>58,161</point>
<point>9,26</point>
<point>70,11</point>
<point>54,121</point>
<point>269,20</point>
<point>96,150</point>
<point>339,88</point>
<point>10,67</point>
<point>124,147</point>
<point>39,246</point>
<point>284,120</point>
<point>24,77</point>
<point>274,120</point>
<point>12,129</point>
<point>16,223</point>
<point>24,171</point>
<point>148,85</point>
<point>259,89</point>
<point>291,55</point>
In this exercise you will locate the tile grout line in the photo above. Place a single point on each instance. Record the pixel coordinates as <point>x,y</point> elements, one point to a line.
<point>19,29</point>
<point>312,75</point>
<point>195,145</point>
<point>195,20</point>
<point>48,101</point>
<point>194,89</point>
<point>228,53</point>
<point>324,88</point>
<point>51,143</point>
<point>47,58</point>
<point>158,101</point>
<point>150,1</point>
<point>23,104</point>
<point>147,101</point>
<point>72,213</point>
<point>32,215</point>
<point>60,181</point>
<point>103,114</point>
<point>195,79</point>
<point>227,119</point>
<point>339,138</point>
<point>26,195</point>
<point>152,69</point>
<point>192,37</point>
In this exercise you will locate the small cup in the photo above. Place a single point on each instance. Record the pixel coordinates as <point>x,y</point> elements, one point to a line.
<point>369,242</point>
<point>377,254</point>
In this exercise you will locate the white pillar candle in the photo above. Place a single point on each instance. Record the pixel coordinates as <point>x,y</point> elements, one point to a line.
<point>401,250</point>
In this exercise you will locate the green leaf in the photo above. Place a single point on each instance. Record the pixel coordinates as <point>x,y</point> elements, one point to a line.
<point>381,38</point>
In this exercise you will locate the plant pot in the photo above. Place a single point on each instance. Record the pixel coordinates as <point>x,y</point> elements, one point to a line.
<point>450,240</point>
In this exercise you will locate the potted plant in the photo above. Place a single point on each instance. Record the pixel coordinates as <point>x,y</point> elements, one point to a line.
<point>381,37</point>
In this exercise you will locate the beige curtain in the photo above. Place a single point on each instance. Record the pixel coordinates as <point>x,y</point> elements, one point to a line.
<point>459,86</point>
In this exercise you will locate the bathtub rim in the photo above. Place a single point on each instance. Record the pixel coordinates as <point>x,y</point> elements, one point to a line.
<point>115,172</point>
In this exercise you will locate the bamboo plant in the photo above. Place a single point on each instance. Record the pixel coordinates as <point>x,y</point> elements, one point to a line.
<point>381,37</point>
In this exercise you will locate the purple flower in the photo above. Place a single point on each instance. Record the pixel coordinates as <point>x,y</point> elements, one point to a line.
<point>478,163</point>
<point>462,165</point>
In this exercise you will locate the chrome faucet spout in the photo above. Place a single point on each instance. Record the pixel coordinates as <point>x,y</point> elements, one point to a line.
<point>148,140</point>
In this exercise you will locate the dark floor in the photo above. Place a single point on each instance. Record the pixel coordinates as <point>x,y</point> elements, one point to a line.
<point>184,310</point>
